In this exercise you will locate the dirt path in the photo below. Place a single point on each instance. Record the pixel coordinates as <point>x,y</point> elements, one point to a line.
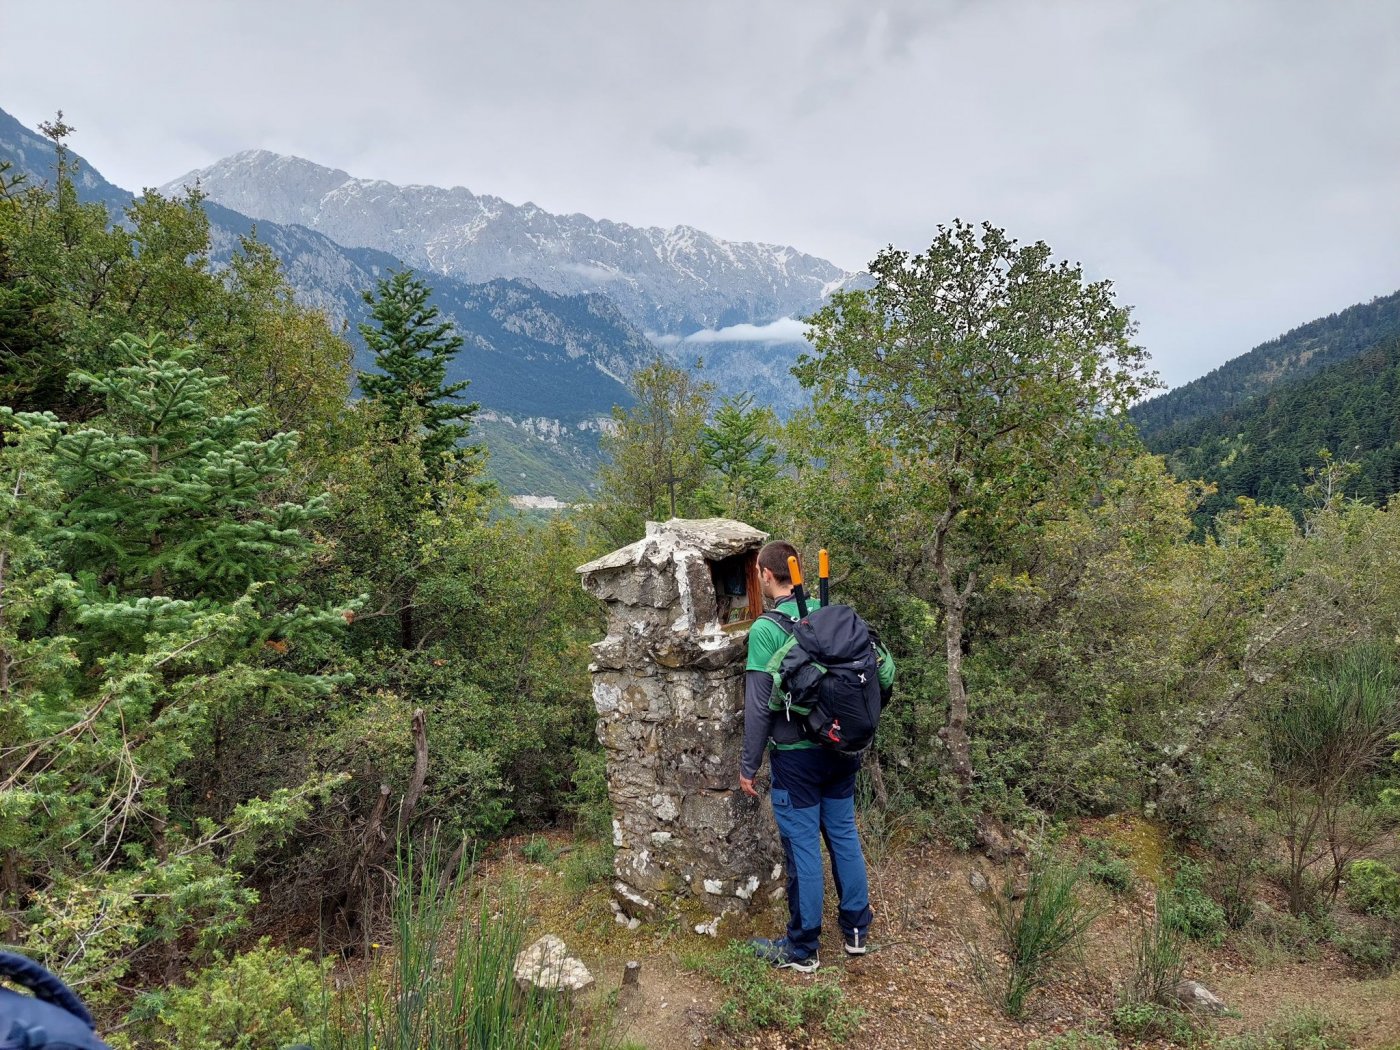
<point>919,987</point>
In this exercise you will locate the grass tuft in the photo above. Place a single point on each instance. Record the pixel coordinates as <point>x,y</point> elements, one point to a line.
<point>448,979</point>
<point>758,998</point>
<point>1040,927</point>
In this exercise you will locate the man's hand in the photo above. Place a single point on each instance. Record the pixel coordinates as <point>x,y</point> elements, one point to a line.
<point>746,786</point>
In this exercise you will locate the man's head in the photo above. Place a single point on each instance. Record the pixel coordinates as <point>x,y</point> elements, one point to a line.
<point>773,571</point>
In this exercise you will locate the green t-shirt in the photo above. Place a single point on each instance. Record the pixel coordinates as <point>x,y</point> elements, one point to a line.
<point>766,637</point>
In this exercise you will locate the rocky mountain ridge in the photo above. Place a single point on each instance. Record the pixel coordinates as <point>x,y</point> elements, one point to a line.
<point>673,282</point>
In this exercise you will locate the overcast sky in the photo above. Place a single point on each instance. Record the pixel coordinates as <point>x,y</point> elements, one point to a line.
<point>1232,165</point>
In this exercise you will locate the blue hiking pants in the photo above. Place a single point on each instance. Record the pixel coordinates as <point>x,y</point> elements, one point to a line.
<point>814,800</point>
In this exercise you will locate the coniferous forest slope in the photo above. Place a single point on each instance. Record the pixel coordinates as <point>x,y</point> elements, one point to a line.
<point>1166,421</point>
<point>1320,399</point>
<point>1266,447</point>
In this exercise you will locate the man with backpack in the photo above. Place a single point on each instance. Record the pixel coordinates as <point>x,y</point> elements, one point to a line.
<point>814,686</point>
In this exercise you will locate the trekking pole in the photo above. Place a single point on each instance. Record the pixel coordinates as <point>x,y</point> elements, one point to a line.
<point>824,577</point>
<point>795,571</point>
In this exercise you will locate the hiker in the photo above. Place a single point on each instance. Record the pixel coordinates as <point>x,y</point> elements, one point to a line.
<point>813,790</point>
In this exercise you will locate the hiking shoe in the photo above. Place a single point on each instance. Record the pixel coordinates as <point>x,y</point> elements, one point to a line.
<point>779,953</point>
<point>856,943</point>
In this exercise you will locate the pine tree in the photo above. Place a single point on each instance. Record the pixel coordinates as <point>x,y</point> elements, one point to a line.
<point>411,348</point>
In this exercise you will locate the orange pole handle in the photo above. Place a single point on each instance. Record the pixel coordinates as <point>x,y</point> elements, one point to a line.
<point>823,563</point>
<point>795,571</point>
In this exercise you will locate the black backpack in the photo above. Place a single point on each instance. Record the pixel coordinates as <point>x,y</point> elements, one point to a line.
<point>829,675</point>
<point>53,1017</point>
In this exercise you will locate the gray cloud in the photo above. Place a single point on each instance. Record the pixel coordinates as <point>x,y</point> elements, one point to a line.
<point>706,145</point>
<point>1233,167</point>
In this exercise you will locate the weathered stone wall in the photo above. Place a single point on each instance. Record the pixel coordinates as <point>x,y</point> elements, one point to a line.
<point>668,684</point>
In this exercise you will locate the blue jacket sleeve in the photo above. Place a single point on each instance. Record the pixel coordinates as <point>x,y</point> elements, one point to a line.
<point>758,721</point>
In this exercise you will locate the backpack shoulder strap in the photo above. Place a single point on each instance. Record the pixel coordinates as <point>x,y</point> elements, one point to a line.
<point>782,619</point>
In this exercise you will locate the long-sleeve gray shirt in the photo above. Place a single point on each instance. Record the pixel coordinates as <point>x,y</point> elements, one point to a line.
<point>762,724</point>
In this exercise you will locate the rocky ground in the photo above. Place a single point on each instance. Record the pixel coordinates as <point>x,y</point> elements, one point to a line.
<point>921,986</point>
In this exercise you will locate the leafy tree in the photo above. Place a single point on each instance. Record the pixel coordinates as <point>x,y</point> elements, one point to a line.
<point>412,349</point>
<point>658,466</point>
<point>89,280</point>
<point>739,448</point>
<point>998,380</point>
<point>276,353</point>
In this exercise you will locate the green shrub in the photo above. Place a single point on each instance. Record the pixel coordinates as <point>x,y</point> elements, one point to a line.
<point>1239,847</point>
<point>1142,1021</point>
<point>1157,963</point>
<point>1373,888</point>
<point>1273,936</point>
<point>1190,910</point>
<point>589,864</point>
<point>1327,740</point>
<point>1105,865</point>
<point>1075,1040</point>
<point>758,998</point>
<point>589,802</point>
<point>1372,945</point>
<point>1306,1029</point>
<point>262,999</point>
<point>1040,927</point>
<point>538,850</point>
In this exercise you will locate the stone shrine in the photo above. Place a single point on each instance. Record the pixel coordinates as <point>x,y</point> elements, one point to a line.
<point>668,685</point>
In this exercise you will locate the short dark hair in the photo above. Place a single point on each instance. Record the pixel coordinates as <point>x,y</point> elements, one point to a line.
<point>774,557</point>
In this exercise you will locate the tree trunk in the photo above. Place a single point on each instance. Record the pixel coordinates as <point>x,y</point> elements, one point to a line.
<point>954,604</point>
<point>954,734</point>
<point>408,630</point>
<point>409,804</point>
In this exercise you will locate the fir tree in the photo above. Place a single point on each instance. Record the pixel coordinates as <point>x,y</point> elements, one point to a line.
<point>739,446</point>
<point>145,584</point>
<point>411,348</point>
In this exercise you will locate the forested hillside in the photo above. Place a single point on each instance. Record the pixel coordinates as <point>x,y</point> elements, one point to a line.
<point>288,697</point>
<point>1167,421</point>
<point>1268,448</point>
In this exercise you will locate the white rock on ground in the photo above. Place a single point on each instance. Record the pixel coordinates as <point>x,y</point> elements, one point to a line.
<point>1198,997</point>
<point>547,965</point>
